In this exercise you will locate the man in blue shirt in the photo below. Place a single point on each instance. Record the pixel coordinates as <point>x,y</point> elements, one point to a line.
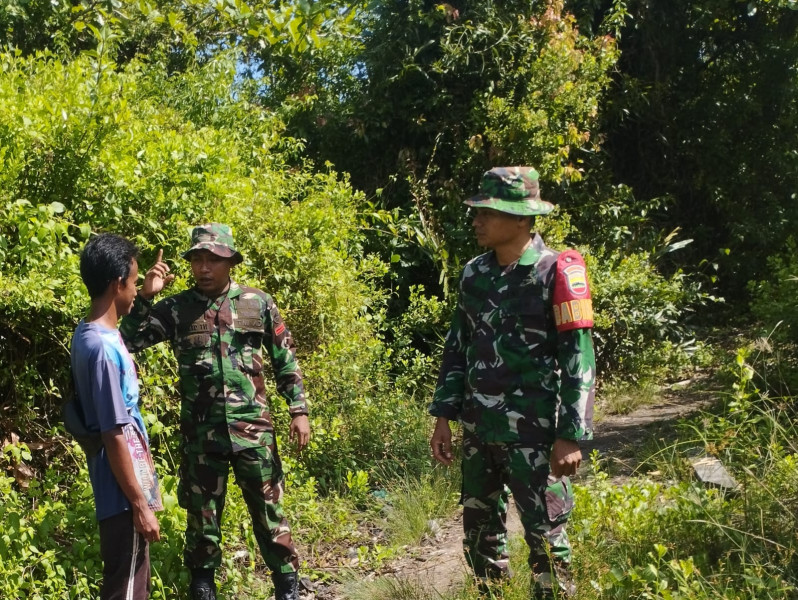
<point>123,481</point>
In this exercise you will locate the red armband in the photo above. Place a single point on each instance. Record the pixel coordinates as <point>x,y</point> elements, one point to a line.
<point>573,308</point>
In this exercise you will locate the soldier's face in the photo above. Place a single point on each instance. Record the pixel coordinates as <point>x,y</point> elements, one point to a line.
<point>126,292</point>
<point>494,228</point>
<point>211,272</point>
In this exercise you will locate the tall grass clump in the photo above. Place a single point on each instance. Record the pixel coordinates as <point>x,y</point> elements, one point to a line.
<point>418,505</point>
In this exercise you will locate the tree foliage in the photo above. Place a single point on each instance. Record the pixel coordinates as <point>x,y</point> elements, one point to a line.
<point>87,148</point>
<point>447,93</point>
<point>142,118</point>
<point>703,119</point>
<point>339,139</point>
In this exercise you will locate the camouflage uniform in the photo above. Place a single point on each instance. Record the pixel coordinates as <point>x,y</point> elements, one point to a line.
<point>518,371</point>
<point>224,415</point>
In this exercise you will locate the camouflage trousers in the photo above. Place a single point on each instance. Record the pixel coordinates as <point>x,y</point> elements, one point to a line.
<point>543,502</point>
<point>202,491</point>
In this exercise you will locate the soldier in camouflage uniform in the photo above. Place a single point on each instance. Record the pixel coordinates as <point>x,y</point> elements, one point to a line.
<point>218,331</point>
<point>518,372</point>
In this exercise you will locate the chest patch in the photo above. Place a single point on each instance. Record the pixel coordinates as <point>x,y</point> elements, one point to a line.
<point>198,327</point>
<point>250,324</point>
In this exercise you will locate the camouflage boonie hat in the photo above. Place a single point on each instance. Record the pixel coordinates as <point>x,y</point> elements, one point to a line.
<point>215,237</point>
<point>512,190</point>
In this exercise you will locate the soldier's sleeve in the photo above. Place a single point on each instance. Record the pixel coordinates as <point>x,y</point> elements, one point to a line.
<point>577,384</point>
<point>282,351</point>
<point>146,325</point>
<point>450,390</point>
<point>573,317</point>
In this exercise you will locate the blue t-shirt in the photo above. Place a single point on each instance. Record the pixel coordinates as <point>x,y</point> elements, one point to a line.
<point>108,392</point>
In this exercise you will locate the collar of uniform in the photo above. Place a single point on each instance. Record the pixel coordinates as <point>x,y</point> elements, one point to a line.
<point>529,256</point>
<point>533,251</point>
<point>234,291</point>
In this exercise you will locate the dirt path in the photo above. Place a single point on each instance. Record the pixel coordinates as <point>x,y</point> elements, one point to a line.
<point>618,438</point>
<point>438,564</point>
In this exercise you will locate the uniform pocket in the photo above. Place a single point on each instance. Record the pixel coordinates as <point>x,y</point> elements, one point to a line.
<point>524,319</point>
<point>246,350</point>
<point>193,354</point>
<point>559,498</point>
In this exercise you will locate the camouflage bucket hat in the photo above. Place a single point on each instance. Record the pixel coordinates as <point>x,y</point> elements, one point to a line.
<point>215,237</point>
<point>512,190</point>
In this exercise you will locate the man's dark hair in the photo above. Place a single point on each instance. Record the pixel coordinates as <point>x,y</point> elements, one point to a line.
<point>105,258</point>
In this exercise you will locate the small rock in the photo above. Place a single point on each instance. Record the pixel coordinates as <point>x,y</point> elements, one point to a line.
<point>434,529</point>
<point>241,555</point>
<point>306,584</point>
<point>712,472</point>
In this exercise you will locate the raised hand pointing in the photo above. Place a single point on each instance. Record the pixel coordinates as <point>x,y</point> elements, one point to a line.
<point>157,278</point>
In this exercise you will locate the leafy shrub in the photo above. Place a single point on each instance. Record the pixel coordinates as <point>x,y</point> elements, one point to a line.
<point>87,147</point>
<point>650,541</point>
<point>50,540</point>
<point>110,155</point>
<point>773,298</point>
<point>641,329</point>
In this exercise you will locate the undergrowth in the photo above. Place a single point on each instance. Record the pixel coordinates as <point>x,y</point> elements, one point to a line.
<point>660,536</point>
<point>665,536</point>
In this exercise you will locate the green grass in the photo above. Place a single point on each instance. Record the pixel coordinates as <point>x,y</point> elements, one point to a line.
<point>674,539</point>
<point>387,588</point>
<point>622,399</point>
<point>415,503</point>
<point>670,538</point>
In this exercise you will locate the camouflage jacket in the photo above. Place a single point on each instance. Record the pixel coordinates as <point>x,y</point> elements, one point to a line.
<point>219,348</point>
<point>517,366</point>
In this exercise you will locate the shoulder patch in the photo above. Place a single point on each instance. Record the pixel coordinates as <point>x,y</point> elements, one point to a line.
<point>572,305</point>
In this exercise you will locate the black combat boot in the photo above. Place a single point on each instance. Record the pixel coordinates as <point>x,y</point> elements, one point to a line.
<point>556,583</point>
<point>202,585</point>
<point>286,586</point>
<point>542,593</point>
<point>490,580</point>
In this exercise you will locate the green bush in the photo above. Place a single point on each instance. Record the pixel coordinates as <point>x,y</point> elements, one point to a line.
<point>641,323</point>
<point>773,298</point>
<point>650,541</point>
<point>49,540</point>
<point>90,148</point>
<point>49,546</point>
